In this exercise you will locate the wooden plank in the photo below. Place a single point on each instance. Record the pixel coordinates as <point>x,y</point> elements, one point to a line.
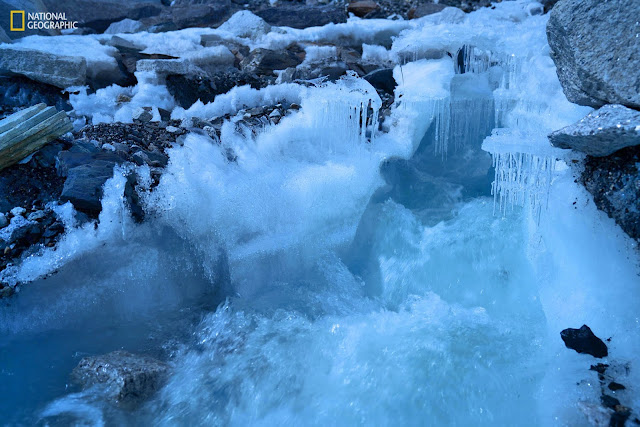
<point>15,134</point>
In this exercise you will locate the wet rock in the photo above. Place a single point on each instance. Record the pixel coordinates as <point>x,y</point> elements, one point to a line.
<point>195,13</point>
<point>595,49</point>
<point>57,70</point>
<point>83,186</point>
<point>602,132</point>
<point>382,79</point>
<point>362,8</point>
<point>303,16</point>
<point>129,379</point>
<point>583,340</point>
<point>609,401</point>
<point>614,182</point>
<point>3,220</point>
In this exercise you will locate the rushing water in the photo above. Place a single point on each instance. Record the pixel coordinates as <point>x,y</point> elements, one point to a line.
<point>323,279</point>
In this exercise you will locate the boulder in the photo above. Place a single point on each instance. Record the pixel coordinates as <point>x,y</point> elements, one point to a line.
<point>19,91</point>
<point>303,16</point>
<point>194,13</point>
<point>29,6</point>
<point>602,132</point>
<point>125,26</point>
<point>264,61</point>
<point>596,49</point>
<point>583,340</point>
<point>382,79</point>
<point>362,8</point>
<point>83,187</point>
<point>129,379</point>
<point>28,130</point>
<point>57,70</point>
<point>425,9</point>
<point>245,24</point>
<point>99,14</point>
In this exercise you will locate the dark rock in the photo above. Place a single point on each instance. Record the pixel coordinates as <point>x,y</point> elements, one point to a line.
<point>362,8</point>
<point>264,61</point>
<point>83,187</point>
<point>614,182</point>
<point>302,16</point>
<point>584,341</point>
<point>99,14</point>
<point>129,378</point>
<point>602,132</point>
<point>195,13</point>
<point>609,402</point>
<point>425,9</point>
<point>19,91</point>
<point>614,386</point>
<point>600,368</point>
<point>595,47</point>
<point>70,159</point>
<point>382,79</point>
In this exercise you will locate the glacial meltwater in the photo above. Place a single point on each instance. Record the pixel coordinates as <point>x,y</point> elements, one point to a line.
<point>340,272</point>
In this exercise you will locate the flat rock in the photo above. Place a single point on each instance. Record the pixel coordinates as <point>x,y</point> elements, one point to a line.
<point>602,132</point>
<point>584,341</point>
<point>302,16</point>
<point>129,378</point>
<point>57,70</point>
<point>264,61</point>
<point>596,49</point>
<point>362,8</point>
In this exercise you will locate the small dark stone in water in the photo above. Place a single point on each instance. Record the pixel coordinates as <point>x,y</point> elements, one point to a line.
<point>584,341</point>
<point>609,401</point>
<point>599,368</point>
<point>616,386</point>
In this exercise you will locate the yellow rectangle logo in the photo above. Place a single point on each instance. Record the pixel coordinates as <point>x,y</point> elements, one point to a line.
<point>16,14</point>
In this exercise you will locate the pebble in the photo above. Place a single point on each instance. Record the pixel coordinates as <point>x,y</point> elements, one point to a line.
<point>35,216</point>
<point>172,129</point>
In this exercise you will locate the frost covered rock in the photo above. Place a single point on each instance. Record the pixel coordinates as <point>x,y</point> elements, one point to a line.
<point>583,340</point>
<point>602,132</point>
<point>265,61</point>
<point>57,70</point>
<point>143,114</point>
<point>303,16</point>
<point>245,24</point>
<point>128,378</point>
<point>596,48</point>
<point>125,26</point>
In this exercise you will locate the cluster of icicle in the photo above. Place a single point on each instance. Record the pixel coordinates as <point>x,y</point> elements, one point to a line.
<point>344,112</point>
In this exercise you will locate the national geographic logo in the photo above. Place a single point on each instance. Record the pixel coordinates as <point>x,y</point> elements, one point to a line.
<point>40,21</point>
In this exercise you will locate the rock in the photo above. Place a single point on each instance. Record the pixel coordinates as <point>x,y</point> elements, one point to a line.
<point>197,13</point>
<point>142,114</point>
<point>425,9</point>
<point>129,378</point>
<point>614,182</point>
<point>614,386</point>
<point>83,187</point>
<point>3,220</point>
<point>245,24</point>
<point>28,130</point>
<point>36,215</point>
<point>609,401</point>
<point>57,70</point>
<point>302,16</point>
<point>28,6</point>
<point>382,79</point>
<point>602,132</point>
<point>362,8</point>
<point>99,14</point>
<point>584,341</point>
<point>19,91</point>
<point>595,47</point>
<point>125,26</point>
<point>264,61</point>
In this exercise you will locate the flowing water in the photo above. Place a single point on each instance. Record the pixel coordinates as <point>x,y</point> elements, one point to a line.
<point>323,279</point>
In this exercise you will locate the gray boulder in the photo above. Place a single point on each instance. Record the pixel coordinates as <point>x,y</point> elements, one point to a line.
<point>602,132</point>
<point>596,48</point>
<point>129,378</point>
<point>303,16</point>
<point>56,70</point>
